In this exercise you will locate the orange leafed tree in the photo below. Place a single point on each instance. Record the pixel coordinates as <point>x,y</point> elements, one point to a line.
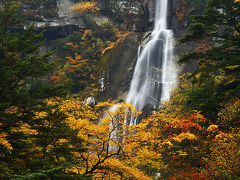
<point>85,7</point>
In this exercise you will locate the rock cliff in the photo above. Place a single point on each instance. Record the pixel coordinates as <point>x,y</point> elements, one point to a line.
<point>55,17</point>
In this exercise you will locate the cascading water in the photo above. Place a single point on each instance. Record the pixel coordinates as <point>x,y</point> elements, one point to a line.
<point>155,73</point>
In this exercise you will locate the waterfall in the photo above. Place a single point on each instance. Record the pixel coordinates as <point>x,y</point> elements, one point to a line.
<point>155,72</point>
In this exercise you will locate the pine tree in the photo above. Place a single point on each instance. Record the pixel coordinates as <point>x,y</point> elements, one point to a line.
<point>23,92</point>
<point>217,79</point>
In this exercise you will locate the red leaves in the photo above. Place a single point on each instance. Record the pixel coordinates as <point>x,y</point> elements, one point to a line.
<point>171,178</point>
<point>187,124</point>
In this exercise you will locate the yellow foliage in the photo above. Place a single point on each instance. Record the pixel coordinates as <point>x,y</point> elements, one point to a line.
<point>71,44</point>
<point>4,142</point>
<point>24,128</point>
<point>223,137</point>
<point>212,128</point>
<point>230,114</point>
<point>183,136</point>
<point>168,143</point>
<point>121,36</point>
<point>127,172</point>
<point>83,7</point>
<point>41,114</point>
<point>12,110</point>
<point>115,148</point>
<point>101,127</point>
<point>62,141</point>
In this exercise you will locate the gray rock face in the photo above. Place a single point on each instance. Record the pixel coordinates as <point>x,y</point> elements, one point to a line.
<point>121,66</point>
<point>123,57</point>
<point>150,5</point>
<point>56,18</point>
<point>179,28</point>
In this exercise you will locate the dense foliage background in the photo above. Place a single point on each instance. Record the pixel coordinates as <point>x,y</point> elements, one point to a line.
<point>49,131</point>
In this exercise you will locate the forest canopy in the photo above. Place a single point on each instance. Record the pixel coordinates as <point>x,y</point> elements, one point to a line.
<point>49,129</point>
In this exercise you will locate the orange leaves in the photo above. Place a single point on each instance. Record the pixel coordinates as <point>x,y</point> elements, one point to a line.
<point>212,128</point>
<point>75,63</point>
<point>69,57</point>
<point>111,45</point>
<point>4,142</point>
<point>87,33</point>
<point>186,125</point>
<point>84,60</point>
<point>57,76</point>
<point>204,45</point>
<point>120,36</point>
<point>78,57</point>
<point>180,15</point>
<point>71,44</point>
<point>184,136</point>
<point>84,7</point>
<point>198,117</point>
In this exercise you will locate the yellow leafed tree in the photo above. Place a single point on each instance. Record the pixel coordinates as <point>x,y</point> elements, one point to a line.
<point>103,130</point>
<point>85,7</point>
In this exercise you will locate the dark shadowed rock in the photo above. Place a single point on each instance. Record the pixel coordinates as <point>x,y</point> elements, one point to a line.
<point>121,61</point>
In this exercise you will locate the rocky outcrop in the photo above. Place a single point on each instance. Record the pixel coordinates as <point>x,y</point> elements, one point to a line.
<point>55,17</point>
<point>179,20</point>
<point>179,25</point>
<point>149,4</point>
<point>120,63</point>
<point>122,59</point>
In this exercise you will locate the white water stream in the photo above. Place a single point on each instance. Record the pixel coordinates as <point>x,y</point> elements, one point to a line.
<point>155,74</point>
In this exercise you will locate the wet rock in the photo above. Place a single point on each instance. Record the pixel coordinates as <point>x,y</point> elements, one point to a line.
<point>90,101</point>
<point>119,63</point>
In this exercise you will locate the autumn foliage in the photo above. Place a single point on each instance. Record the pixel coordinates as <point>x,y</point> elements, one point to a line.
<point>83,7</point>
<point>46,134</point>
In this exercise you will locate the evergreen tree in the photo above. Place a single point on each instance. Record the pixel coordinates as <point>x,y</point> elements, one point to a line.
<point>24,135</point>
<point>217,79</point>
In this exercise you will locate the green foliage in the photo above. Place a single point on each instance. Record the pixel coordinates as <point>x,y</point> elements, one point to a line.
<point>79,54</point>
<point>23,89</point>
<point>213,90</point>
<point>130,13</point>
<point>229,116</point>
<point>52,174</point>
<point>185,8</point>
<point>194,136</point>
<point>106,32</point>
<point>216,80</point>
<point>224,158</point>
